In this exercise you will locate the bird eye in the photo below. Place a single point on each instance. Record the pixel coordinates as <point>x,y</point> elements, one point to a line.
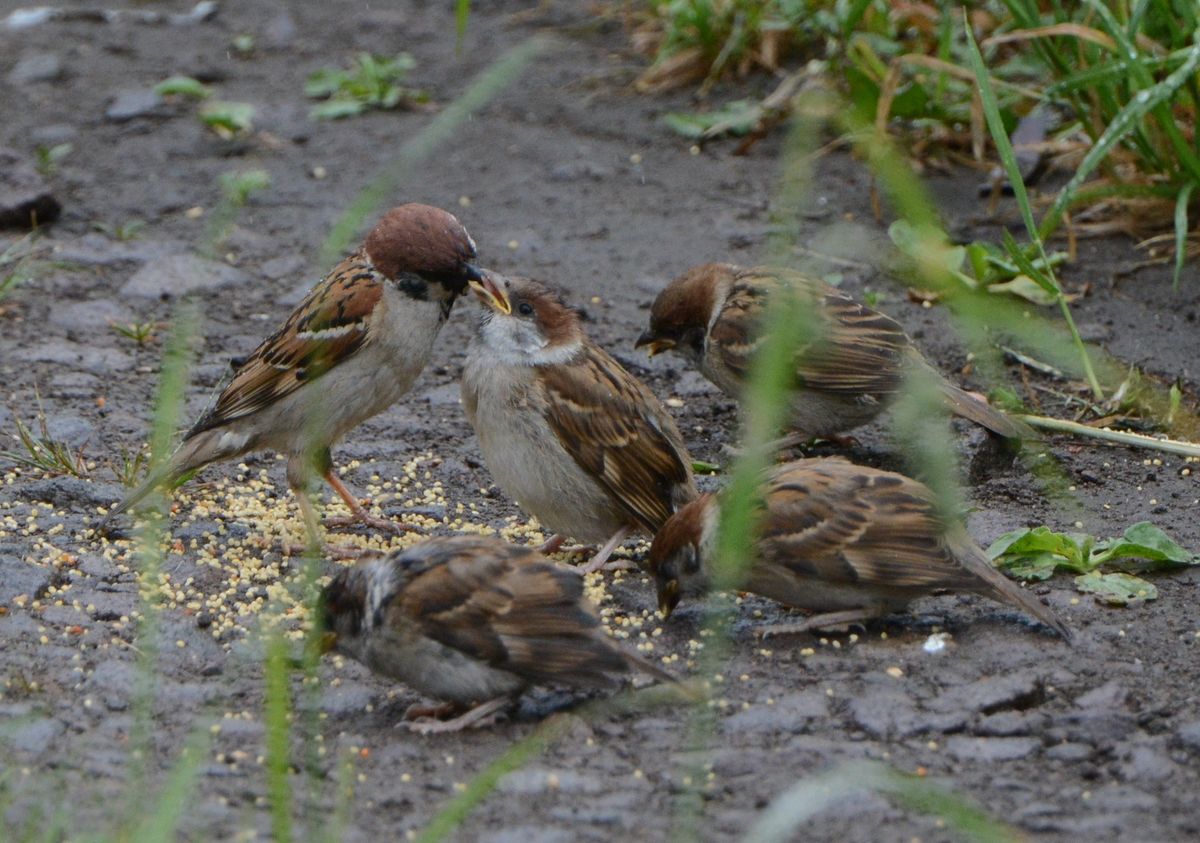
<point>525,309</point>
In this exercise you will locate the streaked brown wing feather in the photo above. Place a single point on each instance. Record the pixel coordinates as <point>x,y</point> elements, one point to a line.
<point>325,329</point>
<point>860,351</point>
<point>846,524</point>
<point>616,430</point>
<point>513,610</point>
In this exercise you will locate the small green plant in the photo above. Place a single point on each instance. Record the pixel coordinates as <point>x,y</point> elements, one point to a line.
<point>243,44</point>
<point>128,467</point>
<point>17,265</point>
<point>1037,553</point>
<point>182,86</point>
<point>48,157</point>
<point>42,452</point>
<point>372,83</point>
<point>121,231</point>
<point>227,119</point>
<point>236,189</point>
<point>142,333</point>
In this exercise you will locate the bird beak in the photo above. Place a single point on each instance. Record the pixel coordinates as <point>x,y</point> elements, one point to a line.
<point>490,294</point>
<point>472,272</point>
<point>668,597</point>
<point>653,344</point>
<point>327,642</point>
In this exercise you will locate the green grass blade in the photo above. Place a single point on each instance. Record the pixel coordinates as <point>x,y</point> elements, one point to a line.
<point>277,716</point>
<point>161,825</point>
<point>462,15</point>
<point>482,90</point>
<point>1121,125</point>
<point>1181,230</point>
<point>1008,158</point>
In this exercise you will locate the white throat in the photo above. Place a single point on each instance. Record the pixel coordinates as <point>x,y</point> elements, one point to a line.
<point>514,342</point>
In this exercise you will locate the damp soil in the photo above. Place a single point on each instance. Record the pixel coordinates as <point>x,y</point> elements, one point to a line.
<point>567,175</point>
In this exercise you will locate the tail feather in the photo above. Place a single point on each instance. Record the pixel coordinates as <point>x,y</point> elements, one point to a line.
<point>999,587</point>
<point>971,408</point>
<point>193,453</point>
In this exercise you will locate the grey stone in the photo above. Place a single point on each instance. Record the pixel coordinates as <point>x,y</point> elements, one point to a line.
<point>35,738</point>
<point>25,199</point>
<point>1011,723</point>
<point>53,134</point>
<point>348,698</point>
<point>97,250</point>
<point>791,713</point>
<point>36,67</point>
<point>1018,690</point>
<point>891,714</point>
<point>71,492</point>
<point>99,361</point>
<point>576,170</point>
<point>75,431</point>
<point>280,31</point>
<point>90,316</point>
<point>177,275</point>
<point>532,834</point>
<point>97,566</point>
<point>450,393</point>
<point>1147,764</point>
<point>18,577</point>
<point>75,385</point>
<point>284,266</point>
<point>987,750</point>
<point>1189,735</point>
<point>530,781</point>
<point>1108,696</point>
<point>693,383</point>
<point>106,605</point>
<point>129,104</point>
<point>1070,752</point>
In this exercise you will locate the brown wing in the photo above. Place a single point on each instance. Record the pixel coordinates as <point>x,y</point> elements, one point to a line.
<point>847,524</point>
<point>325,329</point>
<point>860,350</point>
<point>507,606</point>
<point>617,431</point>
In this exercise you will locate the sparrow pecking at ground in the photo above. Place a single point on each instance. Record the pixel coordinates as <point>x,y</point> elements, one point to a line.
<point>841,540</point>
<point>349,350</point>
<point>577,441</point>
<point>474,621</point>
<point>712,313</point>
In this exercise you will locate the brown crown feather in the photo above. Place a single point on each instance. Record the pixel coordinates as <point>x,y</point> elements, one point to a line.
<point>687,302</point>
<point>420,239</point>
<point>684,527</point>
<point>557,320</point>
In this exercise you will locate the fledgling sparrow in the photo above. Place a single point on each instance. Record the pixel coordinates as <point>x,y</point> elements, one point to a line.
<point>474,621</point>
<point>349,350</point>
<point>711,314</point>
<point>841,540</point>
<point>577,441</point>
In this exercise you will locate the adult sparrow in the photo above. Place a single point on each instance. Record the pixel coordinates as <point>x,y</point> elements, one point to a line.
<point>712,315</point>
<point>349,350</point>
<point>579,442</point>
<point>472,620</point>
<point>842,540</point>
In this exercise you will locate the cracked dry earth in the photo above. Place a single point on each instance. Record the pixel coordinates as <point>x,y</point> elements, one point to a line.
<point>568,176</point>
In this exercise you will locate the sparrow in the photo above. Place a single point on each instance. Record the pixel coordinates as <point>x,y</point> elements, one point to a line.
<point>472,620</point>
<point>575,439</point>
<point>711,315</point>
<point>349,350</point>
<point>841,540</point>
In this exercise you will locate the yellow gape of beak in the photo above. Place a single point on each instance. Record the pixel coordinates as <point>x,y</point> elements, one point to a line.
<point>490,294</point>
<point>654,345</point>
<point>668,598</point>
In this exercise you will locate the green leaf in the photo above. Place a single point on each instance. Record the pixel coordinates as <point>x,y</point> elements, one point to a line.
<point>182,86</point>
<point>1181,230</point>
<point>1034,542</point>
<point>1144,541</point>
<point>462,14</point>
<point>336,109</point>
<point>1024,287</point>
<point>735,118</point>
<point>702,467</point>
<point>231,116</point>
<point>1116,589</point>
<point>1039,566</point>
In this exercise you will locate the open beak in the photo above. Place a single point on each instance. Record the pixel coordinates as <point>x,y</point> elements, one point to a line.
<point>472,272</point>
<point>668,597</point>
<point>653,344</point>
<point>490,294</point>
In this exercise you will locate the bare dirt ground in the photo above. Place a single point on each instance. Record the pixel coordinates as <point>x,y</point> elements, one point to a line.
<point>567,176</point>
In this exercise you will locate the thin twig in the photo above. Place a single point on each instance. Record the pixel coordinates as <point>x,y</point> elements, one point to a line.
<point>1122,437</point>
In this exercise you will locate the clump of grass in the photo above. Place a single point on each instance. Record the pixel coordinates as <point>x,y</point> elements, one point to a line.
<point>237,188</point>
<point>371,83</point>
<point>122,232</point>
<point>128,467</point>
<point>49,157</point>
<point>142,333</point>
<point>227,119</point>
<point>18,264</point>
<point>40,451</point>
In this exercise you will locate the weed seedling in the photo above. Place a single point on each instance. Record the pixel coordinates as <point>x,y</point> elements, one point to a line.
<point>372,83</point>
<point>42,452</point>
<point>228,119</point>
<point>141,333</point>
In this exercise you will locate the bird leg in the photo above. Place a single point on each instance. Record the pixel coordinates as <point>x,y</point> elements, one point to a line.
<point>597,561</point>
<point>819,622</point>
<point>359,514</point>
<point>483,714</point>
